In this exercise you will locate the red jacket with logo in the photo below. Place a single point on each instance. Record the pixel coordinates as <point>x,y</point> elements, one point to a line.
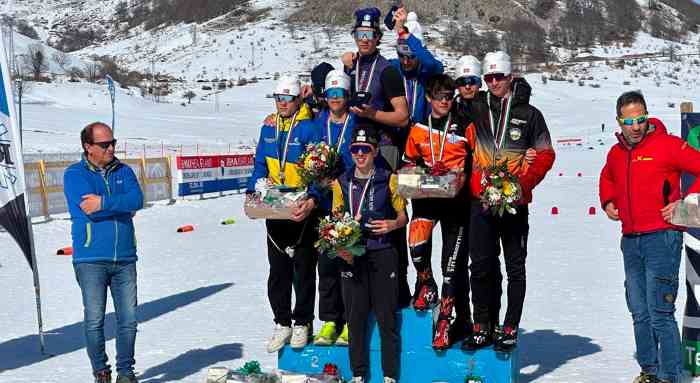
<point>633,178</point>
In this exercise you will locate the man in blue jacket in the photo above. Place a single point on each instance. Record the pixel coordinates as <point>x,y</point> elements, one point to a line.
<point>415,63</point>
<point>103,195</point>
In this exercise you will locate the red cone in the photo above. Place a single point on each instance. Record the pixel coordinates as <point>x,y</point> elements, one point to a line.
<point>185,229</point>
<point>591,210</point>
<point>65,251</point>
<point>555,210</point>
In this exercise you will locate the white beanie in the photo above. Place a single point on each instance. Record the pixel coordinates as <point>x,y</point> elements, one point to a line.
<point>414,26</point>
<point>468,66</point>
<point>289,85</point>
<point>337,79</point>
<point>497,62</point>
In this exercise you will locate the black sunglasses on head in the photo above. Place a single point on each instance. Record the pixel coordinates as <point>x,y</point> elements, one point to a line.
<point>106,144</point>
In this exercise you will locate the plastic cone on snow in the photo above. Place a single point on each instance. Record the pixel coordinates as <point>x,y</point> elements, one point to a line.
<point>229,221</point>
<point>561,174</point>
<point>591,210</point>
<point>185,229</point>
<point>579,175</point>
<point>65,251</point>
<point>555,210</point>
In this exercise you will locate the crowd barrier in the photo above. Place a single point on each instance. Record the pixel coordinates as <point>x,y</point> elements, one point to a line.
<point>158,177</point>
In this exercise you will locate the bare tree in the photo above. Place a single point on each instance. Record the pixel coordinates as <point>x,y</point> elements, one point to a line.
<point>92,71</point>
<point>62,60</point>
<point>189,96</point>
<point>35,61</point>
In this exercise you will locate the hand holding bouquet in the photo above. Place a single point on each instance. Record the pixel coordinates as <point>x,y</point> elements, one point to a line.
<point>318,164</point>
<point>501,190</point>
<point>340,235</point>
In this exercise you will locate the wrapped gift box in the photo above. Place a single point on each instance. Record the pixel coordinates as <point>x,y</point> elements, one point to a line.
<point>687,212</point>
<point>416,183</point>
<point>273,203</point>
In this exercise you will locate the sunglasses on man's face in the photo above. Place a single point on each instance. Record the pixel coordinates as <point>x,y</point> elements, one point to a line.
<point>106,144</point>
<point>335,93</point>
<point>467,81</point>
<point>633,120</point>
<point>406,57</point>
<point>442,96</point>
<point>361,149</point>
<point>284,98</point>
<point>498,77</point>
<point>361,35</point>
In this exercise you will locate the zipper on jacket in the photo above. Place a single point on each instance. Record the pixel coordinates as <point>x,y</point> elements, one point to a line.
<point>116,224</point>
<point>629,185</point>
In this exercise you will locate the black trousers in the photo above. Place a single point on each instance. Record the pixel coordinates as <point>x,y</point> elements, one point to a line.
<point>370,285</point>
<point>330,297</point>
<point>488,233</point>
<point>398,241</point>
<point>453,216</point>
<point>287,273</point>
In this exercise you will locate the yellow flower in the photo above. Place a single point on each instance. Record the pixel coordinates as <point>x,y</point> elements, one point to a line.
<point>507,188</point>
<point>347,231</point>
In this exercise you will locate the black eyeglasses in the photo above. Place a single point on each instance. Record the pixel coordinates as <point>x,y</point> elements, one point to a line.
<point>494,76</point>
<point>106,144</point>
<point>360,148</point>
<point>466,81</point>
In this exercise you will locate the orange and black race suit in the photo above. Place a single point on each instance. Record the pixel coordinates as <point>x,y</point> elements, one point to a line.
<point>450,147</point>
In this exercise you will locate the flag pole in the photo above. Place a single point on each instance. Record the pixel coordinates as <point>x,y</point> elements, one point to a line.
<point>37,286</point>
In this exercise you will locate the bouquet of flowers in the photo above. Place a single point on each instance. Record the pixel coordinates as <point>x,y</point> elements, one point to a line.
<point>318,164</point>
<point>272,201</point>
<point>500,190</point>
<point>340,233</point>
<point>437,182</point>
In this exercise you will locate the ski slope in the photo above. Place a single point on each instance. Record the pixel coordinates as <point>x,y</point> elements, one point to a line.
<point>203,294</point>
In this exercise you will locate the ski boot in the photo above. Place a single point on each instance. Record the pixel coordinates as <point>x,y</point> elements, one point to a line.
<point>506,339</point>
<point>461,328</point>
<point>441,336</point>
<point>104,376</point>
<point>646,378</point>
<point>344,337</point>
<point>127,379</point>
<point>327,336</point>
<point>426,292</point>
<point>481,337</point>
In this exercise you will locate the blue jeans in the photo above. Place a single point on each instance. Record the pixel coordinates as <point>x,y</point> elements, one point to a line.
<point>94,278</point>
<point>651,283</point>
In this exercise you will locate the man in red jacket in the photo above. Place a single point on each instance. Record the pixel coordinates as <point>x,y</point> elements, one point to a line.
<point>640,185</point>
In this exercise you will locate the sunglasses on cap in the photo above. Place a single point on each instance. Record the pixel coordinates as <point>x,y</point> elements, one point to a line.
<point>633,120</point>
<point>284,97</point>
<point>467,81</point>
<point>361,148</point>
<point>106,144</point>
<point>335,93</point>
<point>494,76</point>
<point>360,35</point>
<point>442,96</point>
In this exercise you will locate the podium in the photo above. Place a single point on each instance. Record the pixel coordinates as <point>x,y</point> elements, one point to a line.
<point>419,362</point>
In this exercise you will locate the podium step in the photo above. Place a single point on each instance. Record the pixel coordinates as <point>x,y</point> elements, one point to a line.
<point>419,362</point>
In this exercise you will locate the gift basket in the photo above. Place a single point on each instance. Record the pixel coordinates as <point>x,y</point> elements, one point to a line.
<point>272,201</point>
<point>417,182</point>
<point>687,212</point>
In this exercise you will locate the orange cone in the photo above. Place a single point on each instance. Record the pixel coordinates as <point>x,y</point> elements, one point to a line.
<point>185,229</point>
<point>65,251</point>
<point>555,210</point>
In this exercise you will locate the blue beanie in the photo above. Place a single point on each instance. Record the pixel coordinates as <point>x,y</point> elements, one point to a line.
<point>367,17</point>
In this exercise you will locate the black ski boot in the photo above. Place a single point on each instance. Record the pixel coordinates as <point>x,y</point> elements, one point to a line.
<point>481,337</point>
<point>506,339</point>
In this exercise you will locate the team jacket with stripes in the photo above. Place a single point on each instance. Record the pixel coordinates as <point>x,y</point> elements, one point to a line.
<point>456,147</point>
<point>269,154</point>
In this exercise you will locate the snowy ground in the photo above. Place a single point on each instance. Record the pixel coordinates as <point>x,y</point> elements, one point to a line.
<point>202,294</point>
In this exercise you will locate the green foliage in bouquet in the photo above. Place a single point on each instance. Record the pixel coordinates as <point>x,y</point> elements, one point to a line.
<point>340,233</point>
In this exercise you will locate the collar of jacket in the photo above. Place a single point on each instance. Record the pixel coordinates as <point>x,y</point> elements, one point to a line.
<point>303,114</point>
<point>520,90</point>
<point>368,59</point>
<point>656,128</point>
<point>93,168</point>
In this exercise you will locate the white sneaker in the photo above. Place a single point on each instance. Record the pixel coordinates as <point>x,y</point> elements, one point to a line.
<point>300,336</point>
<point>357,379</point>
<point>389,380</point>
<point>280,336</point>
